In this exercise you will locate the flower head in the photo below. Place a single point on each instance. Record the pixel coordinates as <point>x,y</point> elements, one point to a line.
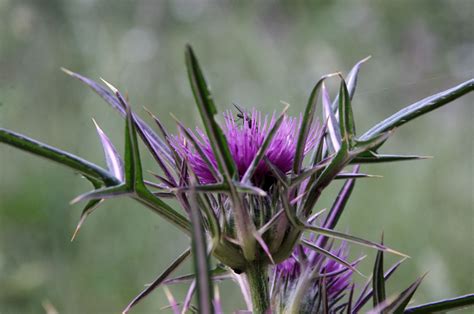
<point>245,135</point>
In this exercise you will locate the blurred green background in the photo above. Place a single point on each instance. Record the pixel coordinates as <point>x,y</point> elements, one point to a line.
<point>254,55</point>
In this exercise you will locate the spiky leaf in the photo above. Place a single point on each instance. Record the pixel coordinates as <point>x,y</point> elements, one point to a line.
<point>159,280</point>
<point>201,258</point>
<point>378,280</point>
<point>88,169</point>
<point>208,110</point>
<point>306,123</point>
<point>420,108</point>
<point>443,305</point>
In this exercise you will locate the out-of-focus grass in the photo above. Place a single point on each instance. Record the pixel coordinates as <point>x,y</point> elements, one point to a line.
<point>254,55</point>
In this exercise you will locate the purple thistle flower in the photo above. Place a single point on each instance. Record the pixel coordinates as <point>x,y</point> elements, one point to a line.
<point>245,136</point>
<point>252,230</point>
<point>335,277</point>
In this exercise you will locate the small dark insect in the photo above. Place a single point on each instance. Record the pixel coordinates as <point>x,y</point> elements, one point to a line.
<point>242,115</point>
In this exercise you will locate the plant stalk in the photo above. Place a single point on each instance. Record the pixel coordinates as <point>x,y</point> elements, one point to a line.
<point>257,277</point>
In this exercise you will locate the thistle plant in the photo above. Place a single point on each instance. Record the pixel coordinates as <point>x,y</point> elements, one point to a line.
<point>248,191</point>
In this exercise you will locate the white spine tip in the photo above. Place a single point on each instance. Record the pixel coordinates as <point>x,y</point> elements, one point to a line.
<point>68,72</point>
<point>110,86</point>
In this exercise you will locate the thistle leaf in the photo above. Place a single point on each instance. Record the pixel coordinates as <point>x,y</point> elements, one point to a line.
<point>338,207</point>
<point>88,209</point>
<point>263,245</point>
<point>351,81</point>
<point>443,305</point>
<point>338,162</point>
<point>166,137</point>
<point>104,193</point>
<point>378,280</point>
<point>334,133</point>
<point>330,255</point>
<point>349,302</point>
<point>158,281</point>
<point>306,123</point>
<point>398,304</point>
<point>350,238</point>
<point>306,173</point>
<point>226,164</point>
<point>270,223</point>
<point>134,174</point>
<point>370,144</point>
<point>147,134</point>
<point>367,292</point>
<point>133,171</point>
<point>211,218</point>
<point>352,175</point>
<point>353,74</point>
<point>317,155</point>
<point>201,258</point>
<point>371,157</point>
<point>88,169</point>
<point>346,117</point>
<point>223,187</point>
<point>207,111</point>
<point>99,89</point>
<point>217,273</point>
<point>133,166</point>
<point>92,172</point>
<point>134,182</point>
<point>420,108</point>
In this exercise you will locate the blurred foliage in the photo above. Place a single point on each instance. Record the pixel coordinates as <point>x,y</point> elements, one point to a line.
<point>254,55</point>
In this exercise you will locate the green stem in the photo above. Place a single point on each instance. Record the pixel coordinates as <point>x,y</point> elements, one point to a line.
<point>257,276</point>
